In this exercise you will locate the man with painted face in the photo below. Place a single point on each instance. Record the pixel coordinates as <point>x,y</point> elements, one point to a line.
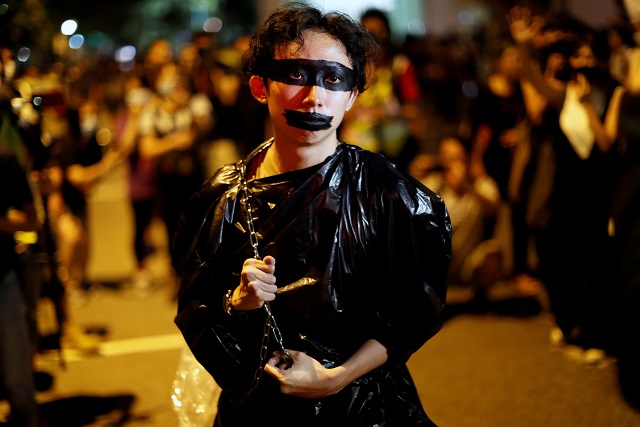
<point>347,253</point>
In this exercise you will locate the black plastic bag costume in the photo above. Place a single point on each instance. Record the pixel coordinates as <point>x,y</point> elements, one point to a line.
<point>361,253</point>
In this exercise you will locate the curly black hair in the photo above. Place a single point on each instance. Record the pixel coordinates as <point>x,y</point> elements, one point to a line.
<point>288,23</point>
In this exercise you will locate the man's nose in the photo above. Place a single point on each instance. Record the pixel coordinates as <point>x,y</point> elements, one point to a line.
<point>314,96</point>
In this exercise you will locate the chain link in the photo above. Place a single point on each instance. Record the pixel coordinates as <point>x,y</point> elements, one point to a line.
<point>270,325</point>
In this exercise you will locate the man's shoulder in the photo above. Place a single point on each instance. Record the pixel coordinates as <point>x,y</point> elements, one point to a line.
<point>219,182</point>
<point>379,174</point>
<point>365,160</point>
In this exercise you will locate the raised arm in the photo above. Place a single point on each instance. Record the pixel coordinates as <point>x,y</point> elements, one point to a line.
<point>613,114</point>
<point>523,28</point>
<point>631,85</point>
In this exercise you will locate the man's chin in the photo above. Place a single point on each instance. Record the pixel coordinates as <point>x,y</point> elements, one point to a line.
<point>309,137</point>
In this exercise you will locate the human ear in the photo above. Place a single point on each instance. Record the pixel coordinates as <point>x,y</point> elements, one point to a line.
<point>352,98</point>
<point>258,89</point>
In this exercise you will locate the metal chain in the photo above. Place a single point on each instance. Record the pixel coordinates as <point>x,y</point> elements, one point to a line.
<point>270,324</point>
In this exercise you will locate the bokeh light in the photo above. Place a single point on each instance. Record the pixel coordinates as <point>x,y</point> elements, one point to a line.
<point>212,25</point>
<point>125,53</point>
<point>68,27</point>
<point>466,18</point>
<point>76,41</point>
<point>23,54</point>
<point>103,136</point>
<point>3,8</point>
<point>416,28</point>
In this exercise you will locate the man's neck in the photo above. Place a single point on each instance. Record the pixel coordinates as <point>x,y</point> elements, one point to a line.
<point>287,156</point>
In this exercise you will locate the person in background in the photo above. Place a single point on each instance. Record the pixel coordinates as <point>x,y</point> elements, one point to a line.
<point>240,121</point>
<point>383,118</point>
<point>497,128</point>
<point>620,42</point>
<point>531,187</point>
<point>20,133</point>
<point>142,175</point>
<point>476,262</point>
<point>138,92</point>
<point>350,254</point>
<point>574,241</point>
<point>195,69</point>
<point>158,54</point>
<point>17,213</point>
<point>83,165</point>
<point>171,127</point>
<point>622,126</point>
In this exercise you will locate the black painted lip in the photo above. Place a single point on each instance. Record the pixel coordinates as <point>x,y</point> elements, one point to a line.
<point>308,121</point>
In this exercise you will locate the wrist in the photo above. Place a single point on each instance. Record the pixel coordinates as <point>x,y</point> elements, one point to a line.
<point>339,379</point>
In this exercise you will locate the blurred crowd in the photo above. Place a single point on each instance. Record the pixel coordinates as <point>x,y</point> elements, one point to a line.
<point>531,140</point>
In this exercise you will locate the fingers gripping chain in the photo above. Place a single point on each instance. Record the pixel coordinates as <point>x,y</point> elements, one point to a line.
<point>270,325</point>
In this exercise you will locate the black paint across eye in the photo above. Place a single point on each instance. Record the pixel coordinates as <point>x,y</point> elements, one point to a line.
<point>329,75</point>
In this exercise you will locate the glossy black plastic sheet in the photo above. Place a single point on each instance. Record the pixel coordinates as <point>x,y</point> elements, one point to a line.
<point>361,253</point>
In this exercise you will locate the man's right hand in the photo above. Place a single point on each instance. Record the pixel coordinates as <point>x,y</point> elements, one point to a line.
<point>257,284</point>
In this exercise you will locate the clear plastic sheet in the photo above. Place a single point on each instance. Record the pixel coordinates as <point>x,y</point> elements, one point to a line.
<point>195,393</point>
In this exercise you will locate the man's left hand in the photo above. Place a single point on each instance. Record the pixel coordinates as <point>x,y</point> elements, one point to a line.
<point>306,378</point>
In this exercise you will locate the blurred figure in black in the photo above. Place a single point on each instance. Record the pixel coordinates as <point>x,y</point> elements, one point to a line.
<point>17,213</point>
<point>497,128</point>
<point>531,186</point>
<point>240,122</point>
<point>580,200</point>
<point>623,126</point>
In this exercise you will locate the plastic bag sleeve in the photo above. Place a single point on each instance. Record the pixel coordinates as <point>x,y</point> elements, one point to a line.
<point>411,291</point>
